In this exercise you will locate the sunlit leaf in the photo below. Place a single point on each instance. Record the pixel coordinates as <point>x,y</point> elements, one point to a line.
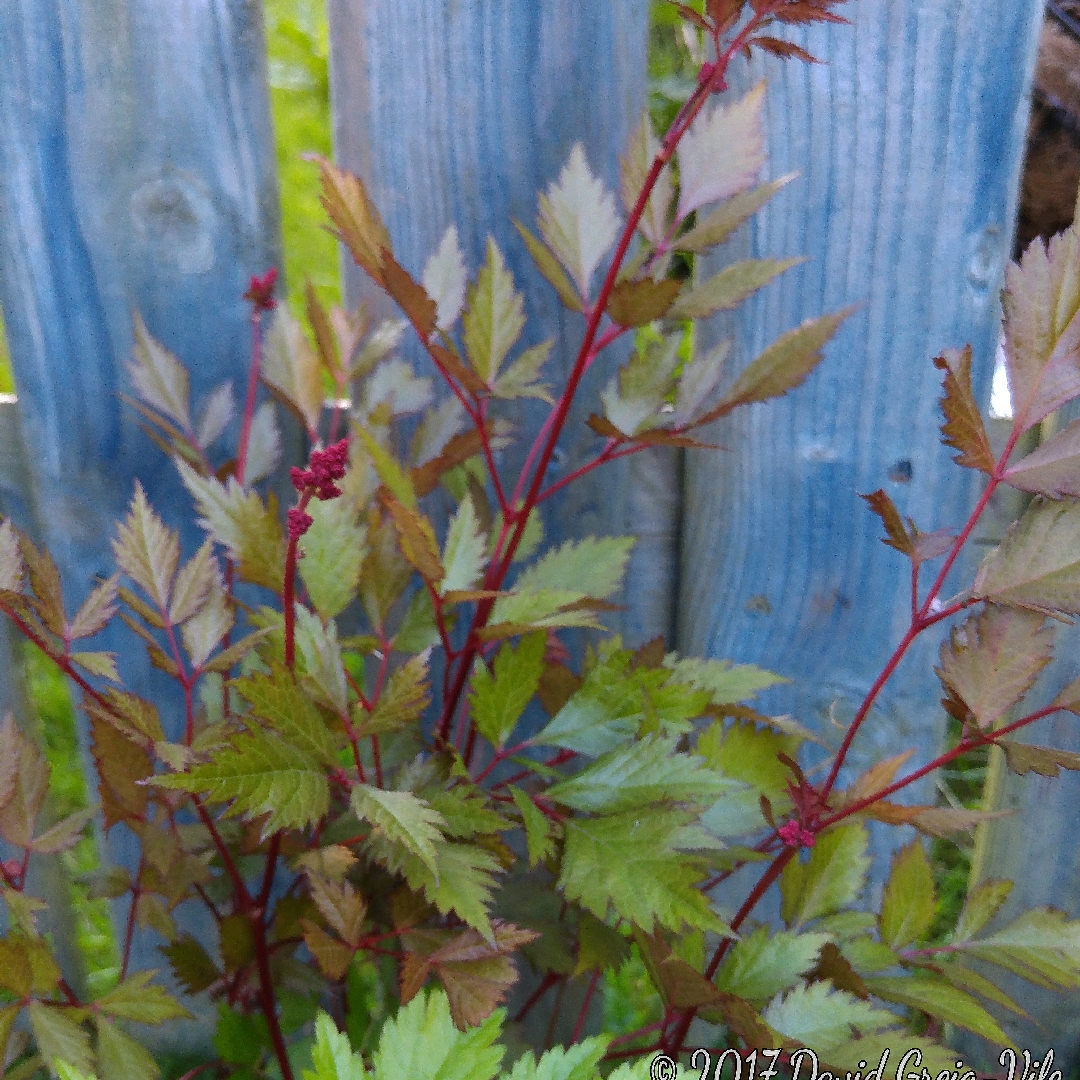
<point>445,279</point>
<point>963,429</point>
<point>159,378</point>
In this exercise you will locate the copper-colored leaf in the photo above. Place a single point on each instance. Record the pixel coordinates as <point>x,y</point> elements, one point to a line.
<point>357,221</point>
<point>833,965</point>
<point>417,539</point>
<point>459,449</point>
<point>410,295</point>
<point>784,49</point>
<point>897,535</point>
<point>963,429</point>
<point>1045,760</point>
<point>325,338</point>
<point>332,956</point>
<point>1053,469</point>
<point>637,303</point>
<point>120,765</point>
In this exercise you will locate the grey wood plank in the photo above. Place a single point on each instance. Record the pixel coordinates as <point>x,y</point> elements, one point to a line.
<point>461,113</point>
<point>909,142</point>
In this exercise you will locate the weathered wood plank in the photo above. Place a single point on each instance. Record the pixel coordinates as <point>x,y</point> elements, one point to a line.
<point>461,114</point>
<point>909,143</point>
<point>136,172</point>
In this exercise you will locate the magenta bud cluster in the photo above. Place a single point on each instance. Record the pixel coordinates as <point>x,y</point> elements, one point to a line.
<point>794,835</point>
<point>317,480</point>
<point>260,292</point>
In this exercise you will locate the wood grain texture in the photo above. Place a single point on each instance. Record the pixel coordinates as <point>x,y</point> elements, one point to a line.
<point>909,140</point>
<point>136,172</point>
<point>461,113</point>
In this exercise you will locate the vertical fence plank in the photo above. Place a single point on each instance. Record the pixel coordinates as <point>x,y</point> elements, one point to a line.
<point>136,172</point>
<point>461,114</point>
<point>909,142</point>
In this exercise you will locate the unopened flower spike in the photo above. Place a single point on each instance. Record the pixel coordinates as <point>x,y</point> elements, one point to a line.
<point>261,290</point>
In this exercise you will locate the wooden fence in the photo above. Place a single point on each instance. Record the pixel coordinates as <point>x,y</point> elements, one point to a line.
<point>136,171</point>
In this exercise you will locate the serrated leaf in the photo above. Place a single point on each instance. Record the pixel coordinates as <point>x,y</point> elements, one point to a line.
<point>204,630</point>
<point>638,303</point>
<point>191,964</point>
<point>634,167</point>
<point>519,380</point>
<point>632,398</point>
<point>445,278</point>
<point>334,549</point>
<point>11,741</point>
<point>277,699</point>
<point>16,972</point>
<point>355,218</point>
<point>494,316</point>
<point>680,984</point>
<point>1023,758</point>
<point>138,999</point>
<point>982,903</point>
<point>97,609</point>
<point>332,956</point>
<point>243,524</point>
<point>65,834</point>
<point>434,433</point>
<point>576,1062</point>
<point>783,365</point>
<point>410,296</point>
<point>291,368</point>
<point>725,683</point>
<point>549,266</point>
<point>1041,331</point>
<point>403,818</point>
<point>938,998</point>
<point>121,763</point>
<point>821,1018</point>
<point>963,430</point>
<point>11,564</point>
<point>909,900</point>
<point>391,474</point>
<point>403,699</point>
<point>631,863</point>
<point>417,539</point>
<point>991,661</point>
<point>577,218</point>
<point>466,550</point>
<point>640,773</point>
<point>228,658</point>
<point>217,412</point>
<point>102,664</point>
<point>321,653</point>
<point>120,1057</point>
<point>832,878</point>
<point>264,445</point>
<point>340,905</point>
<point>786,50</point>
<point>146,550</point>
<point>332,1054</point>
<point>593,567</point>
<point>499,695</point>
<point>1041,945</point>
<point>698,383</point>
<point>260,774</point>
<point>728,216</point>
<point>538,827</point>
<point>896,534</point>
<point>762,965</point>
<point>395,386</point>
<point>19,814</point>
<point>730,287</point>
<point>159,378</point>
<point>193,583</point>
<point>722,152</point>
<point>1037,564</point>
<point>1053,469</point>
<point>59,1038</point>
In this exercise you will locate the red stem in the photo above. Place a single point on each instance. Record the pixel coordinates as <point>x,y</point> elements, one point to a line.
<point>129,930</point>
<point>249,402</point>
<point>288,591</point>
<point>268,1001</point>
<point>580,1025</point>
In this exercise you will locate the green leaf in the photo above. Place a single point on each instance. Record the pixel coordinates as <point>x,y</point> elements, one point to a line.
<point>403,818</point>
<point>276,698</point>
<point>963,429</point>
<point>722,152</point>
<point>991,661</point>
<point>593,566</point>
<point>494,316</point>
<point>65,834</point>
<point>1037,564</point>
<point>577,1062</point>
<point>730,287</point>
<point>120,1057</point>
<point>519,380</point>
<point>334,549</point>
<point>549,266</point>
<point>191,964</point>
<point>193,584</point>
<point>159,378</point>
<point>831,880</point>
<point>743,752</point>
<point>205,629</point>
<point>97,609</point>
<point>499,694</point>
<point>421,1042</point>
<point>821,1018</point>
<point>762,965</point>
<point>59,1038</point>
<point>909,901</point>
<point>633,170</point>
<point>261,774</point>
<point>633,863</point>
<point>466,810</point>
<point>291,367</point>
<point>1042,946</point>
<point>638,774</point>
<point>538,827</point>
<point>465,553</point>
<point>698,382</point>
<point>729,215</point>
<point>633,397</point>
<point>321,652</point>
<point>392,475</point>
<point>102,664</point>
<point>1040,303</point>
<point>403,699</point>
<point>146,550</point>
<point>332,1054</point>
<point>938,998</point>
<point>982,903</point>
<point>444,279</point>
<point>577,218</point>
<point>138,999</point>
<point>725,683</point>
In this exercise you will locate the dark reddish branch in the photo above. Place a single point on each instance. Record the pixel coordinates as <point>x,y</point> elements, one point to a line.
<point>579,1027</point>
<point>260,296</point>
<point>267,999</point>
<point>129,929</point>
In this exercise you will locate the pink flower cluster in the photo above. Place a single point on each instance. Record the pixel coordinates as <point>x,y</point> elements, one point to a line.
<point>794,835</point>
<point>317,481</point>
<point>260,292</point>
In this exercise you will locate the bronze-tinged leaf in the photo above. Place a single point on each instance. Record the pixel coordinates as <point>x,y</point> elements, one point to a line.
<point>936,821</point>
<point>16,974</point>
<point>833,966</point>
<point>45,581</point>
<point>1053,469</point>
<point>963,429</point>
<point>690,15</point>
<point>340,905</point>
<point>120,765</point>
<point>325,339</point>
<point>784,49</point>
<point>409,295</point>
<point>718,225</point>
<point>417,539</point>
<point>638,303</point>
<point>549,266</point>
<point>1023,758</point>
<point>459,449</point>
<point>730,287</point>
<point>604,427</point>
<point>19,814</point>
<point>332,956</point>
<point>357,222</point>
<point>993,659</point>
<point>806,12</point>
<point>557,685</point>
<point>897,535</point>
<point>191,964</point>
<point>680,985</point>
<point>452,366</point>
<point>878,777</point>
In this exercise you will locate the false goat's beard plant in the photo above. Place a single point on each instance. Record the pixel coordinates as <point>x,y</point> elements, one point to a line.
<point>344,838</point>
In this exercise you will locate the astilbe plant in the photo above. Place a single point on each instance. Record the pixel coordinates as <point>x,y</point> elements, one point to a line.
<point>346,834</point>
